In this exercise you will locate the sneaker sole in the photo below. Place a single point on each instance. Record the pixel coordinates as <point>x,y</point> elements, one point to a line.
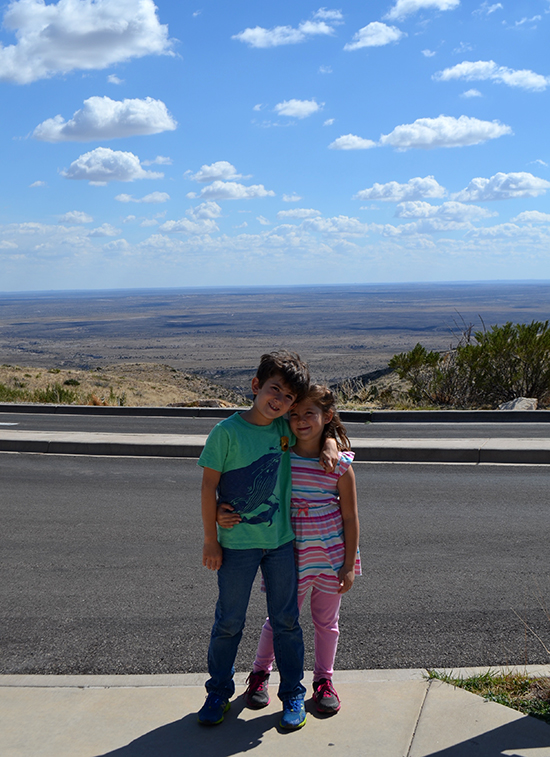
<point>332,711</point>
<point>214,722</point>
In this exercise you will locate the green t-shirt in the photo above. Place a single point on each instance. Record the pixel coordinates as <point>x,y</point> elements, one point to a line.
<point>255,465</point>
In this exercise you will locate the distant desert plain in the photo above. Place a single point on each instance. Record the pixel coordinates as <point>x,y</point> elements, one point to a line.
<point>219,333</point>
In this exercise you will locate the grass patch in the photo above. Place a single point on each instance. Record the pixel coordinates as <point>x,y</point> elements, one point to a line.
<point>528,694</point>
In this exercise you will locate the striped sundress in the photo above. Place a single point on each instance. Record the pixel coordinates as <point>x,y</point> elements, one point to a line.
<point>317,522</point>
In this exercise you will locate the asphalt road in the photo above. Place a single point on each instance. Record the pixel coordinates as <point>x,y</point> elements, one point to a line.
<point>163,425</point>
<point>101,567</point>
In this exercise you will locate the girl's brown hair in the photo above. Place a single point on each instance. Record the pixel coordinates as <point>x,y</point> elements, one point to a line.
<point>335,429</point>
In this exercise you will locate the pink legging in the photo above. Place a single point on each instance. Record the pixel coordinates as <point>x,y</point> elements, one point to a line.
<point>325,609</point>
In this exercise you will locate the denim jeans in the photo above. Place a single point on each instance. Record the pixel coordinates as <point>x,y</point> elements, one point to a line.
<point>235,579</point>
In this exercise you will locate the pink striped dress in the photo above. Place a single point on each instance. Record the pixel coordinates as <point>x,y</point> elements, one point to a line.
<point>317,522</point>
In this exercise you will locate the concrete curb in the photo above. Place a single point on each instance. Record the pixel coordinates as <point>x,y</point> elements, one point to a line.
<point>473,451</point>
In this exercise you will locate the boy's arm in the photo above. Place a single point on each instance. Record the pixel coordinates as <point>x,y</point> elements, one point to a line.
<point>329,455</point>
<point>350,518</point>
<point>211,551</point>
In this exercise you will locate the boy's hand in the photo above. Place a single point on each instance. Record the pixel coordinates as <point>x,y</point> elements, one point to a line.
<point>329,455</point>
<point>212,555</point>
<point>345,579</point>
<point>226,517</point>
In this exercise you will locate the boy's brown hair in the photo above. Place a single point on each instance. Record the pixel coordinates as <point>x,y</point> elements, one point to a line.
<point>289,366</point>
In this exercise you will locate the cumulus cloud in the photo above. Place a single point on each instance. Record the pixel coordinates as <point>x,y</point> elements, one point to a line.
<point>160,160</point>
<point>288,35</point>
<point>204,210</point>
<point>221,170</point>
<point>75,216</point>
<point>448,211</point>
<point>103,165</point>
<point>532,216</point>
<point>263,221</point>
<point>103,118</point>
<point>471,93</point>
<point>503,186</point>
<point>351,142</point>
<point>73,35</point>
<point>428,53</point>
<point>403,8</point>
<point>232,190</point>
<point>117,245</point>
<point>297,108</point>
<point>38,184</point>
<point>414,189</point>
<point>113,79</point>
<point>105,230</point>
<point>336,226</point>
<point>444,131</point>
<point>298,213</point>
<point>292,198</point>
<point>154,197</point>
<point>375,34</point>
<point>187,226</point>
<point>482,70</point>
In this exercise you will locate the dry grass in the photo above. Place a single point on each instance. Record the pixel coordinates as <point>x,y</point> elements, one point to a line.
<point>135,385</point>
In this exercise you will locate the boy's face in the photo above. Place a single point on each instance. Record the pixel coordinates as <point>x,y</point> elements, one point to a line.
<point>273,399</point>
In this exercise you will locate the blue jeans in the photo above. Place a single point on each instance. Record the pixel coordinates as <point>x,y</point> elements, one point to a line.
<point>235,579</point>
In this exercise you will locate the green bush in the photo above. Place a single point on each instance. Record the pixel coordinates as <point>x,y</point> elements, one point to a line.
<point>485,368</point>
<point>56,394</point>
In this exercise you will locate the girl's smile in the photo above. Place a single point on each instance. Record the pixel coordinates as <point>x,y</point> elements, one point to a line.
<point>307,421</point>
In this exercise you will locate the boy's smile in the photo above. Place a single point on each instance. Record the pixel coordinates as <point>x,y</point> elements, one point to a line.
<point>272,400</point>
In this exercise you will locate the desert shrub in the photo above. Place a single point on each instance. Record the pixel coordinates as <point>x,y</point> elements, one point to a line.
<point>71,382</point>
<point>56,394</point>
<point>485,368</point>
<point>9,394</point>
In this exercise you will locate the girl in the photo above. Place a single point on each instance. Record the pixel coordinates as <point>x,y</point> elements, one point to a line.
<point>326,525</point>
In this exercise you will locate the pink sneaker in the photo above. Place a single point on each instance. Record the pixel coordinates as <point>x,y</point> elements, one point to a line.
<point>325,697</point>
<point>256,695</point>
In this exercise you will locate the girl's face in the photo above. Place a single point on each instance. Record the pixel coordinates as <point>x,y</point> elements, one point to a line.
<point>307,420</point>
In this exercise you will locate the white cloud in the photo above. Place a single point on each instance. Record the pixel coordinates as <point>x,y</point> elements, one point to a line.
<point>444,131</point>
<point>351,142</point>
<point>403,8</point>
<point>258,107</point>
<point>428,53</point>
<point>113,79</point>
<point>38,184</point>
<point>414,189</point>
<point>329,122</point>
<point>232,190</point>
<point>263,221</point>
<point>105,230</point>
<point>325,69</point>
<point>75,216</point>
<point>448,211</point>
<point>148,222</point>
<point>219,171</point>
<point>298,213</point>
<point>186,226</point>
<point>487,9</point>
<point>532,216</point>
<point>288,35</point>
<point>483,70</point>
<point>160,160</point>
<point>154,197</point>
<point>128,219</point>
<point>503,186</point>
<point>337,226</point>
<point>103,118</point>
<point>117,245</point>
<point>333,16</point>
<point>298,108</point>
<point>471,93</point>
<point>103,165</point>
<point>73,35</point>
<point>204,210</point>
<point>292,198</point>
<point>538,160</point>
<point>6,244</point>
<point>375,34</point>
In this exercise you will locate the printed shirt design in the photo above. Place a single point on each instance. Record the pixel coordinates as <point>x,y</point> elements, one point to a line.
<point>249,488</point>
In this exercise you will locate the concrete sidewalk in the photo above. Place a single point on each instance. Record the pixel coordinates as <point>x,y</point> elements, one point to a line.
<point>385,713</point>
<point>477,450</point>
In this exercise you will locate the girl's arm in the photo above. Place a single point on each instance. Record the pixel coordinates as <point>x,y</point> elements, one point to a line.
<point>211,551</point>
<point>350,517</point>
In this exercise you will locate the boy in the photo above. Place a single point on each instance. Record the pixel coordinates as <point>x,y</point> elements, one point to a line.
<point>246,463</point>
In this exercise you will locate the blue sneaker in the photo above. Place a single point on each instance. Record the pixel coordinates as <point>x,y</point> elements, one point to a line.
<point>213,710</point>
<point>294,714</point>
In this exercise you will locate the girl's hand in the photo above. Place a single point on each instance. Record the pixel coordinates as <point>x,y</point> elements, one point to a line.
<point>212,555</point>
<point>345,579</point>
<point>226,517</point>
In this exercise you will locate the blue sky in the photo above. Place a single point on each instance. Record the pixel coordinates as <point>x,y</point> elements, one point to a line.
<point>246,142</point>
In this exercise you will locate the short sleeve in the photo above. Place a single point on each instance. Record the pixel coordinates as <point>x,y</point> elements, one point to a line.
<point>345,459</point>
<point>215,450</point>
